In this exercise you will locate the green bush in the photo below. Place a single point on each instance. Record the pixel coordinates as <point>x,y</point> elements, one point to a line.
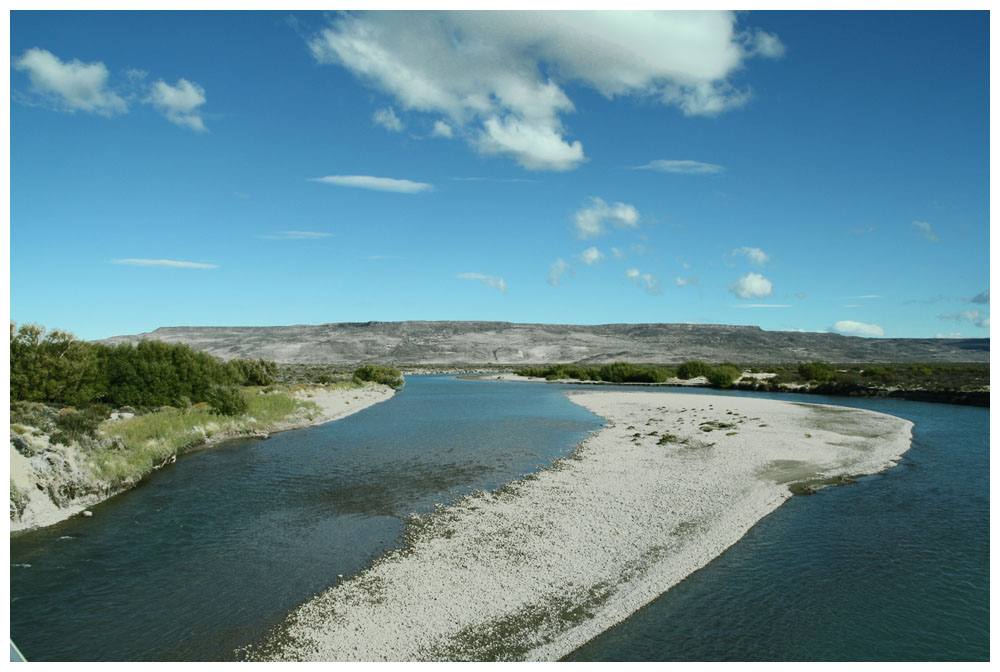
<point>376,373</point>
<point>693,369</point>
<point>227,400</point>
<point>724,375</point>
<point>820,372</point>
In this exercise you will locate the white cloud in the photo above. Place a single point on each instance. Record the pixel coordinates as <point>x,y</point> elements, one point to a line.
<point>800,295</point>
<point>864,296</point>
<point>500,76</point>
<point>442,130</point>
<point>557,270</point>
<point>764,44</point>
<point>751,285</point>
<point>71,86</point>
<point>535,146</point>
<point>617,254</point>
<point>376,183</point>
<point>851,328</point>
<point>689,281</point>
<point>970,315</point>
<point>179,103</point>
<point>591,256</point>
<point>297,235</point>
<point>925,230</point>
<point>162,263</point>
<point>590,221</point>
<point>954,334</point>
<point>984,323</point>
<point>387,119</point>
<point>754,254</point>
<point>644,280</point>
<point>488,280</point>
<point>761,305</point>
<point>684,167</point>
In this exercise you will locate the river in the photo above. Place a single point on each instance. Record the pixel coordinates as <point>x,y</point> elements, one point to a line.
<point>211,553</point>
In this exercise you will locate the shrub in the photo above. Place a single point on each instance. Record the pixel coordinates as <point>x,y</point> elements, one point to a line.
<point>821,372</point>
<point>227,400</point>
<point>693,369</point>
<point>375,373</point>
<point>724,375</point>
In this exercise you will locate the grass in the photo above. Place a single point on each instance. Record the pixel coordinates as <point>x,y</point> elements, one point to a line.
<point>138,445</point>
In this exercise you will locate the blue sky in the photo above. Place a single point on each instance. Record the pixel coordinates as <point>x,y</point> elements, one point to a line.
<point>817,171</point>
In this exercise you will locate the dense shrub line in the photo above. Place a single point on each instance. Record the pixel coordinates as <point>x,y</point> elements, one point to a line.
<point>56,368</point>
<point>723,375</point>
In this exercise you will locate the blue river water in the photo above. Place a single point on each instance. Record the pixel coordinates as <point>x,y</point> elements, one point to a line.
<point>210,554</point>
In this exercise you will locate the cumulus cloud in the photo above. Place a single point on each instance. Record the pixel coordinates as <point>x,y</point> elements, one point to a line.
<point>590,221</point>
<point>488,280</point>
<point>644,280</point>
<point>442,130</point>
<point>591,256</point>
<point>71,86</point>
<point>500,76</point>
<point>179,103</point>
<point>925,230</point>
<point>690,281</point>
<point>375,183</point>
<point>751,285</point>
<point>617,254</point>
<point>754,254</point>
<point>684,167</point>
<point>558,268</point>
<point>162,263</point>
<point>297,235</point>
<point>851,328</point>
<point>387,119</point>
<point>973,315</point>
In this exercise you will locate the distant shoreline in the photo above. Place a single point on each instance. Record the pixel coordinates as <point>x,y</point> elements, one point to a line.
<point>958,397</point>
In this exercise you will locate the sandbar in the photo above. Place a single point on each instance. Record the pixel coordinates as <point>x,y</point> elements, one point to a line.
<point>539,567</point>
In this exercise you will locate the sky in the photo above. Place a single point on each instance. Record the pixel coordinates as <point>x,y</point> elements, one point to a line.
<point>799,171</point>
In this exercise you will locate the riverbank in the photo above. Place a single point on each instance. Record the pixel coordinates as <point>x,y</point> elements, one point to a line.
<point>537,568</point>
<point>761,382</point>
<point>52,481</point>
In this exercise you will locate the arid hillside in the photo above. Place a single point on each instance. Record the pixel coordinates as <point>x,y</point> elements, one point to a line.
<point>500,343</point>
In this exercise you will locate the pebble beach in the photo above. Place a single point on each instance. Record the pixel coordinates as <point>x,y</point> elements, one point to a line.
<point>537,568</point>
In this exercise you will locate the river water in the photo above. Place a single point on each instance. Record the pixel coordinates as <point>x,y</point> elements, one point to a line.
<point>210,554</point>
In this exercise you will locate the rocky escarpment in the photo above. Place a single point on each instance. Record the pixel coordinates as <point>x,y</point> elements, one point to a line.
<point>507,343</point>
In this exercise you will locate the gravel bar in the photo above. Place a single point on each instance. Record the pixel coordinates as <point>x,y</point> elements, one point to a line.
<point>536,569</point>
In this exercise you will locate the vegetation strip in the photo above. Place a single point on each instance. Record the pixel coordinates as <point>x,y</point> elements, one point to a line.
<point>70,450</point>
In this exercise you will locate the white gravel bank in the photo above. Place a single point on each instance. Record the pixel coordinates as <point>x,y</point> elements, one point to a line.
<point>535,570</point>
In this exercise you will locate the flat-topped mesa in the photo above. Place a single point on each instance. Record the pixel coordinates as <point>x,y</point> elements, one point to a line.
<point>512,343</point>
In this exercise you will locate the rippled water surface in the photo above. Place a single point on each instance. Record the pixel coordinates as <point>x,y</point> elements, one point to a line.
<point>213,552</point>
